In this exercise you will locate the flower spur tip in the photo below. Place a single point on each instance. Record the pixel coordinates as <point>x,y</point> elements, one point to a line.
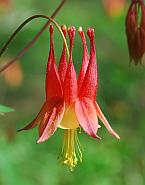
<point>90,32</point>
<point>118,137</point>
<point>64,29</point>
<point>80,29</point>
<point>98,137</point>
<point>71,31</point>
<point>51,29</point>
<point>113,133</point>
<point>38,141</point>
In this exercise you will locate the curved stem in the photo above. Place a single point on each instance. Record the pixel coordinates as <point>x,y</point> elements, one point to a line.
<point>32,42</point>
<point>16,32</point>
<point>21,26</point>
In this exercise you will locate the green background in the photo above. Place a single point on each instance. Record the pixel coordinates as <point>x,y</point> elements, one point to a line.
<point>121,95</point>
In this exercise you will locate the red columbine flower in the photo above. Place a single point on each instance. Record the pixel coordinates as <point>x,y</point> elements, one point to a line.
<point>71,103</point>
<point>135,30</point>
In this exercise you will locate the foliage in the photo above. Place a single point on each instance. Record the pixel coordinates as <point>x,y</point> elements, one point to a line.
<point>4,109</point>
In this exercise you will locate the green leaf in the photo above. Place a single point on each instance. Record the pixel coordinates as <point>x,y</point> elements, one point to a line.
<point>5,109</point>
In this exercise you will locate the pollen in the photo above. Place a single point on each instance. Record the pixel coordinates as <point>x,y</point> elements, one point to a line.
<point>71,151</point>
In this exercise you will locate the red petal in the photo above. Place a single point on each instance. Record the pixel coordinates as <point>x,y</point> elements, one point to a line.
<point>36,121</point>
<point>105,122</point>
<point>87,117</point>
<point>53,85</point>
<point>85,60</point>
<point>52,123</point>
<point>63,63</point>
<point>70,82</point>
<point>89,86</point>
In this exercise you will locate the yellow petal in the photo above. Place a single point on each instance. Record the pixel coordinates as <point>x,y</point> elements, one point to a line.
<point>69,120</point>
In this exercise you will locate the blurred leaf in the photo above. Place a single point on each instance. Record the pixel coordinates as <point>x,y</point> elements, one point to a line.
<point>4,109</point>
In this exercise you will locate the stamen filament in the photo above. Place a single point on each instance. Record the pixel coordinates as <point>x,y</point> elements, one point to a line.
<point>71,150</point>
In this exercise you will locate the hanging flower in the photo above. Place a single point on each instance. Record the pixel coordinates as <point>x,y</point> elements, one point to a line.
<point>70,103</point>
<point>135,30</point>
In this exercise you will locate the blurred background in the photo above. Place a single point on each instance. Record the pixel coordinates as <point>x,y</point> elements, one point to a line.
<point>121,95</point>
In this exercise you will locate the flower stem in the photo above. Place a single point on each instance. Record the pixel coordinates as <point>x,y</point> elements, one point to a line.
<point>32,42</point>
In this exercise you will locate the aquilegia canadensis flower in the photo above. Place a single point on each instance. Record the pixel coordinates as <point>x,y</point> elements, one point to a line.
<point>135,30</point>
<point>70,103</point>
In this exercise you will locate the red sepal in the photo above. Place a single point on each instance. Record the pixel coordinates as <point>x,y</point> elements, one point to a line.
<point>105,122</point>
<point>37,120</point>
<point>87,117</point>
<point>51,121</point>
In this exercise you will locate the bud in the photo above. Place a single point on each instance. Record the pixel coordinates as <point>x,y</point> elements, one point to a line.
<point>135,30</point>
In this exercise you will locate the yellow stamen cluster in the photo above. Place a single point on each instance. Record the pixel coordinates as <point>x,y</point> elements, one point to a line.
<point>71,150</point>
